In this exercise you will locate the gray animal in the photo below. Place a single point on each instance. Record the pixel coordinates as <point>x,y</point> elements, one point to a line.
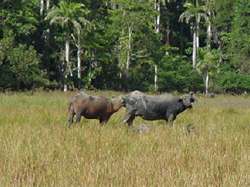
<point>165,106</point>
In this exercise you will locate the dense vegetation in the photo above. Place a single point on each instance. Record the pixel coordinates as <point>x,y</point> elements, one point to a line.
<point>163,45</point>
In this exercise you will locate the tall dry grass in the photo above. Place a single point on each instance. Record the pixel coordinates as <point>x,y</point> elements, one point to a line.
<point>36,148</point>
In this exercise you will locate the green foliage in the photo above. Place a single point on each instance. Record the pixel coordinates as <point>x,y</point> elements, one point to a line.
<point>19,66</point>
<point>208,61</point>
<point>224,14</point>
<point>177,74</point>
<point>130,21</point>
<point>240,36</point>
<point>230,81</point>
<point>20,17</point>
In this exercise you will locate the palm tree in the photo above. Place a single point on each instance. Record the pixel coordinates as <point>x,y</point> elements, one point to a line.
<point>209,8</point>
<point>207,65</point>
<point>84,24</point>
<point>68,16</point>
<point>193,14</point>
<point>42,4</point>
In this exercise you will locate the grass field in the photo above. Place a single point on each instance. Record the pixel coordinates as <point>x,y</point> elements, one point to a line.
<point>36,148</point>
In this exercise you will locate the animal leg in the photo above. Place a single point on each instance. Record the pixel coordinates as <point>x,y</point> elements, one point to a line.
<point>78,117</point>
<point>127,117</point>
<point>102,121</point>
<point>71,115</point>
<point>70,118</point>
<point>130,120</point>
<point>170,120</point>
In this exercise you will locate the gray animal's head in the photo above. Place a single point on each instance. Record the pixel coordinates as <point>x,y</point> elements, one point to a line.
<point>188,100</point>
<point>124,100</point>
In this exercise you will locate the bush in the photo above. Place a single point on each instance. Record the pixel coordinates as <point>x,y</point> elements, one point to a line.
<point>234,82</point>
<point>19,68</point>
<point>176,74</point>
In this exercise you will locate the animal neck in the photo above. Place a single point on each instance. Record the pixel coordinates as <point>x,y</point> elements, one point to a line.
<point>182,108</point>
<point>115,105</point>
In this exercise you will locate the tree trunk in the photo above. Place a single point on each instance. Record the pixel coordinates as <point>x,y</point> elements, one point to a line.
<point>168,33</point>
<point>209,35</point>
<point>65,87</point>
<point>197,37</point>
<point>206,83</point>
<point>79,51</point>
<point>158,9</point>
<point>129,51</point>
<point>41,7</point>
<point>156,78</point>
<point>194,49</point>
<point>209,31</point>
<point>157,30</point>
<point>47,4</point>
<point>67,52</point>
<point>79,63</point>
<point>67,64</point>
<point>197,31</point>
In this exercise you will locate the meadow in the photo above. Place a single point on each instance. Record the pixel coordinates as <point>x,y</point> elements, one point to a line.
<point>37,149</point>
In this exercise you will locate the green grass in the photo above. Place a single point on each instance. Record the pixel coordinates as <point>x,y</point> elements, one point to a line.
<point>36,148</point>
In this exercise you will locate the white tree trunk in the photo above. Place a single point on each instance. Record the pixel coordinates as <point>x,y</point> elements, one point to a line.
<point>79,59</point>
<point>47,4</point>
<point>209,31</point>
<point>197,39</point>
<point>41,7</point>
<point>158,9</point>
<point>194,49</point>
<point>156,78</point>
<point>206,83</point>
<point>209,35</point>
<point>65,87</point>
<point>79,63</point>
<point>197,32</point>
<point>129,51</point>
<point>157,30</point>
<point>67,51</point>
<point>67,64</point>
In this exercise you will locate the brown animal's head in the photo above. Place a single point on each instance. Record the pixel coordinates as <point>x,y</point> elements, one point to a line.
<point>117,103</point>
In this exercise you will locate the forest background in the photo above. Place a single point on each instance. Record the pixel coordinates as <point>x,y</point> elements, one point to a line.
<point>150,45</point>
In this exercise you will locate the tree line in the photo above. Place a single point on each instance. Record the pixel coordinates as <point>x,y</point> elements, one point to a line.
<point>160,45</point>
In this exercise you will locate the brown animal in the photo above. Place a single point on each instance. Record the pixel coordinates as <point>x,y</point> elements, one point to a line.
<point>93,107</point>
